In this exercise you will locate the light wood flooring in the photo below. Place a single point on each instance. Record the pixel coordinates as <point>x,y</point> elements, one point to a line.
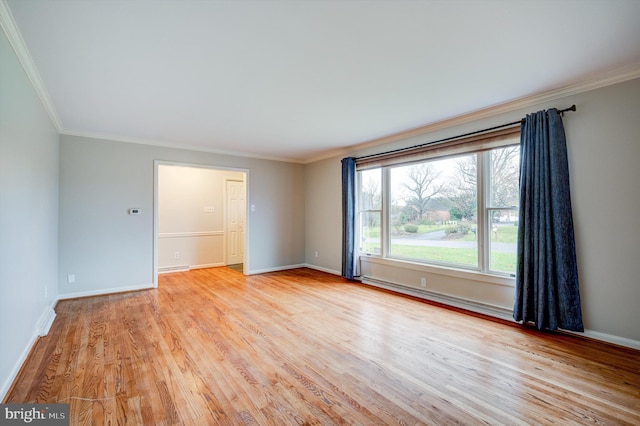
<point>299,347</point>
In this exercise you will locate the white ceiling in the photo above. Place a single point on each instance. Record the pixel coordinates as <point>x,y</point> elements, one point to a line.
<point>299,80</point>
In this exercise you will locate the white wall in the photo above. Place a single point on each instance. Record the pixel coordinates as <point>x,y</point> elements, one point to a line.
<point>109,250</point>
<point>191,211</point>
<point>603,139</point>
<point>28,216</point>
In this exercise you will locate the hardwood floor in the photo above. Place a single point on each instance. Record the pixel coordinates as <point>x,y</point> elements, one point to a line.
<point>212,346</point>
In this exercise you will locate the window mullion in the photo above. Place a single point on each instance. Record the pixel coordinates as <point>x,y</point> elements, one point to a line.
<point>359,211</point>
<point>386,213</point>
<point>482,227</point>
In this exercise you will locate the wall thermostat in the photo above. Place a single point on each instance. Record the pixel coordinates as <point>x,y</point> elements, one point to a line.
<point>134,211</point>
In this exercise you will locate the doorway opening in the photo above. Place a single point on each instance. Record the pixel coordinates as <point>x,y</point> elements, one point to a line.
<point>235,223</point>
<point>200,217</point>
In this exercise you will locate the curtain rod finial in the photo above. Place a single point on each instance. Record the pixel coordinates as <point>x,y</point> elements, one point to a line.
<point>571,108</point>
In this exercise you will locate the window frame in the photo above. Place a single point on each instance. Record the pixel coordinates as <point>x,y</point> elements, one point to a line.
<point>483,210</point>
<point>361,211</point>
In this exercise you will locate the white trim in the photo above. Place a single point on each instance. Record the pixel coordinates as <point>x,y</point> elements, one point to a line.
<point>609,338</point>
<point>274,269</point>
<point>170,269</point>
<point>155,265</point>
<point>24,57</point>
<point>41,329</point>
<point>469,305</point>
<point>102,292</point>
<point>6,385</point>
<point>187,268</point>
<point>47,318</point>
<point>247,219</point>
<point>208,265</point>
<point>190,234</point>
<point>321,269</point>
<point>616,76</point>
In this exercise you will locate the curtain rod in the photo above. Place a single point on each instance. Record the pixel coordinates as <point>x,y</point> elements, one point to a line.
<point>561,112</point>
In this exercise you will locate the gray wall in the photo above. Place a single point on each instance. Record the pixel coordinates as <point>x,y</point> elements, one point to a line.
<point>604,151</point>
<point>323,230</point>
<point>28,215</point>
<point>109,250</point>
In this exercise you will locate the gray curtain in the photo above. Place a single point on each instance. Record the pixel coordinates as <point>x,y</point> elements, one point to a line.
<point>348,217</point>
<point>547,274</point>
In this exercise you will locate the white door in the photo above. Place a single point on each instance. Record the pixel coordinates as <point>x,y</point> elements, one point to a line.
<point>236,220</point>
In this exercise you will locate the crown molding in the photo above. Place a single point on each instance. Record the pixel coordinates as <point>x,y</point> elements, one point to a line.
<point>20,48</point>
<point>619,75</point>
<point>160,144</point>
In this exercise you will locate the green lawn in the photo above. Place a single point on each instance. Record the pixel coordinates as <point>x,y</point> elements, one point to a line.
<point>462,256</point>
<point>500,234</point>
<point>505,262</point>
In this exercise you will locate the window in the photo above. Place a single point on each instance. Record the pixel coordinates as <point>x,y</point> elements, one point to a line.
<point>370,211</point>
<point>458,210</point>
<point>502,208</point>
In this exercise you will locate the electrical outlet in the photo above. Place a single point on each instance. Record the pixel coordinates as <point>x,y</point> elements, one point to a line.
<point>423,282</point>
<point>71,278</point>
<point>316,253</point>
<point>176,255</point>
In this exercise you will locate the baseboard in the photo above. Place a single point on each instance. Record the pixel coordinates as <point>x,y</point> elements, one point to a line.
<point>275,269</point>
<point>46,320</point>
<point>321,269</point>
<point>207,265</point>
<point>492,311</point>
<point>186,268</point>
<point>284,268</point>
<point>6,385</point>
<point>469,305</point>
<point>41,329</point>
<point>170,269</point>
<point>102,292</point>
<point>609,338</point>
